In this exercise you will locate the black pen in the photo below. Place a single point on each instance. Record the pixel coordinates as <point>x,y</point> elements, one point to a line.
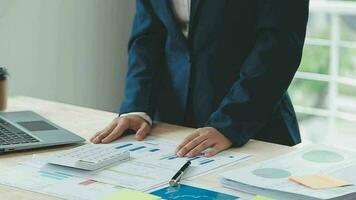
<point>176,178</point>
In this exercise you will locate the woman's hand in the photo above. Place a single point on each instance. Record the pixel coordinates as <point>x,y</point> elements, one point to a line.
<point>119,125</point>
<point>207,138</point>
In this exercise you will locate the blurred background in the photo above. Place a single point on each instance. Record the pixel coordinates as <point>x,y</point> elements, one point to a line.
<point>324,89</point>
<point>72,51</point>
<point>75,51</point>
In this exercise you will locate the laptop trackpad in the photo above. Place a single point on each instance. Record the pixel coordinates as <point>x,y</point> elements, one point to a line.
<point>37,126</point>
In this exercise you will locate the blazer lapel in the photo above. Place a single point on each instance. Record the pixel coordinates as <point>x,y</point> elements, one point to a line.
<point>167,7</point>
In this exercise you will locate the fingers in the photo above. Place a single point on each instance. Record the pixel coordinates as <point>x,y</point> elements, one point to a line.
<point>121,127</point>
<point>200,148</point>
<point>102,134</point>
<point>92,139</point>
<point>143,131</point>
<point>191,145</point>
<point>187,140</point>
<point>207,138</point>
<point>110,127</point>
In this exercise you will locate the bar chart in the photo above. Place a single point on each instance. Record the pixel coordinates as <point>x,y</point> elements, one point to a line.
<point>138,147</point>
<point>54,175</point>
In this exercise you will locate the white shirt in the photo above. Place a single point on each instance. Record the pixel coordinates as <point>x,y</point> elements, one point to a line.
<point>181,10</point>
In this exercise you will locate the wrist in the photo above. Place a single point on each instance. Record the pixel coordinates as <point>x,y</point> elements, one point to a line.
<point>142,115</point>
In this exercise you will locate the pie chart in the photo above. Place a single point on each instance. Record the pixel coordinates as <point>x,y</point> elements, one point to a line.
<point>272,173</point>
<point>323,157</point>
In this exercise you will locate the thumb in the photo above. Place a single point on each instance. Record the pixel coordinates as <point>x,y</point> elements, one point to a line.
<point>143,131</point>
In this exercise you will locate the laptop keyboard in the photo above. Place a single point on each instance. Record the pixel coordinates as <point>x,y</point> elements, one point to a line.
<point>10,135</point>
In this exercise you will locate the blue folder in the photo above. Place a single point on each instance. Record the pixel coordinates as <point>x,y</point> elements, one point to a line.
<point>186,192</point>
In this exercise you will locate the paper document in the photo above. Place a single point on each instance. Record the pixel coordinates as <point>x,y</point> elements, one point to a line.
<point>56,184</point>
<point>153,163</point>
<point>272,176</point>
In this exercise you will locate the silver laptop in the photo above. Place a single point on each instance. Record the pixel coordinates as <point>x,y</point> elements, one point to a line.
<point>28,130</point>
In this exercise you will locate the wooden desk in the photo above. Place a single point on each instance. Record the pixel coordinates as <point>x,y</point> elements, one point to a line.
<point>85,122</point>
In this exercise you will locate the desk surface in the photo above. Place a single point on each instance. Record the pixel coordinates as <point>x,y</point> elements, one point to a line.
<point>85,122</point>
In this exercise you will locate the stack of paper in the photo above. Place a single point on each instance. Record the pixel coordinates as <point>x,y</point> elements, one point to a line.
<point>152,165</point>
<point>271,178</point>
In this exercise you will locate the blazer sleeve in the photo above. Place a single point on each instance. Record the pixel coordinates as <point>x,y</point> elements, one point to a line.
<point>146,56</point>
<point>267,72</point>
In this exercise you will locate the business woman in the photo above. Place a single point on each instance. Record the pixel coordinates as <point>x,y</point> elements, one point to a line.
<point>222,66</point>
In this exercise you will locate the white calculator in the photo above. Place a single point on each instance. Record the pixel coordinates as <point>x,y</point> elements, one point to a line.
<point>90,157</point>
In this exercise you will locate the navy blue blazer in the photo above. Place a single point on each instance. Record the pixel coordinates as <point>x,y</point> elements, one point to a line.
<point>234,68</point>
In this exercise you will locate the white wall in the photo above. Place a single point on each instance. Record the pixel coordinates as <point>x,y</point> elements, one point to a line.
<point>73,51</point>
